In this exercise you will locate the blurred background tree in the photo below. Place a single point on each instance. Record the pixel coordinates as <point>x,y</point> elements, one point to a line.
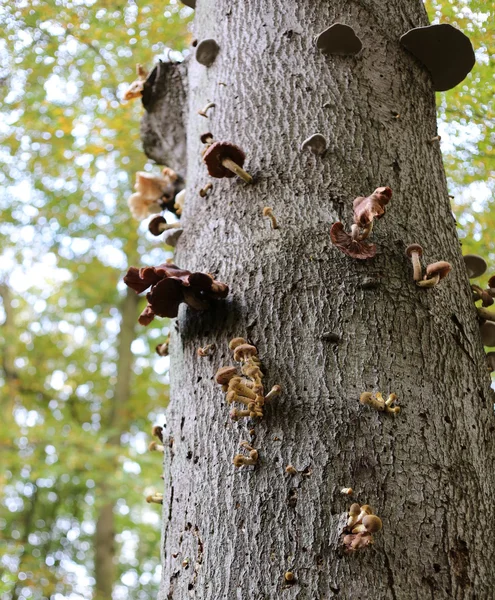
<point>80,386</point>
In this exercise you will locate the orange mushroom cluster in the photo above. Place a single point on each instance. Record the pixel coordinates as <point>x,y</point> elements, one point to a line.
<point>361,525</point>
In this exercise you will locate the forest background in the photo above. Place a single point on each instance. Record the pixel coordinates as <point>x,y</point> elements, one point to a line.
<point>80,385</point>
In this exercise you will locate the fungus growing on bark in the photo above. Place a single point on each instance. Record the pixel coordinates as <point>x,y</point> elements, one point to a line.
<point>179,201</point>
<point>241,459</point>
<point>444,50</point>
<point>162,349</point>
<point>171,237</point>
<point>224,159</point>
<point>434,139</point>
<point>157,431</point>
<point>158,225</point>
<point>490,361</point>
<point>487,331</point>
<point>155,498</point>
<point>361,525</point>
<point>316,144</point>
<point>207,350</point>
<point>434,274</point>
<point>415,252</point>
<point>268,212</point>
<point>170,286</point>
<point>366,209</point>
<point>376,401</point>
<point>204,111</point>
<point>289,577</point>
<point>156,447</point>
<point>338,39</point>
<point>291,470</point>
<point>154,193</point>
<point>203,192</point>
<point>347,491</point>
<point>207,51</point>
<point>475,265</point>
<point>486,296</point>
<point>135,90</point>
<point>190,3</point>
<point>247,390</point>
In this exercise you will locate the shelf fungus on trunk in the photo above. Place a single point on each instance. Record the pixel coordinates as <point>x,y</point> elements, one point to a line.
<point>366,210</point>
<point>170,286</point>
<point>339,39</point>
<point>361,525</point>
<point>224,159</point>
<point>247,390</point>
<point>377,401</point>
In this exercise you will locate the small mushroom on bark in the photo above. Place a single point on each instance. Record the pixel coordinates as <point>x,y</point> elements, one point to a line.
<point>444,50</point>
<point>207,51</point>
<point>338,39</point>
<point>435,273</point>
<point>352,246</point>
<point>487,331</point>
<point>171,237</point>
<point>240,459</point>
<point>475,265</point>
<point>190,3</point>
<point>135,90</point>
<point>316,144</point>
<point>158,225</point>
<point>224,159</point>
<point>490,361</point>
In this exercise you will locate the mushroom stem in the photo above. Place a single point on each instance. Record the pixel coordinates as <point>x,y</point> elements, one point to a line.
<point>166,226</point>
<point>486,315</point>
<point>204,110</point>
<point>203,192</point>
<point>416,263</point>
<point>268,212</point>
<point>437,138</point>
<point>429,283</point>
<point>366,231</point>
<point>235,168</point>
<point>155,498</point>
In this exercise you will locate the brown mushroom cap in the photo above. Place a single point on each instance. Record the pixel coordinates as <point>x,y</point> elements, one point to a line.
<point>206,52</point>
<point>487,331</point>
<point>204,137</point>
<point>217,152</point>
<point>475,265</point>
<point>416,248</point>
<point>354,248</point>
<point>338,39</point>
<point>244,351</point>
<point>444,50</point>
<point>490,361</point>
<point>440,268</point>
<point>225,374</point>
<point>372,523</point>
<point>190,3</point>
<point>355,509</point>
<point>154,225</point>
<point>236,342</point>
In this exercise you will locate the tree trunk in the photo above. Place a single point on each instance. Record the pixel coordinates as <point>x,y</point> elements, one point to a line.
<point>232,533</point>
<point>104,539</point>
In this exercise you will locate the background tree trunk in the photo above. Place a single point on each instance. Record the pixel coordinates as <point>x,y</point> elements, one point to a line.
<point>426,472</point>
<point>104,540</point>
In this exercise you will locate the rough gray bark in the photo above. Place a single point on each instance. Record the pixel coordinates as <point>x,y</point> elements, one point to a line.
<point>426,472</point>
<point>163,126</point>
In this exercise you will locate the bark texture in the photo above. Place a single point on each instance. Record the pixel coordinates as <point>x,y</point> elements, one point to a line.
<point>163,126</point>
<point>426,472</point>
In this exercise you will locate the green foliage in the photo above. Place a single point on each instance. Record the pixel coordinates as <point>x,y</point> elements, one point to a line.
<point>70,148</point>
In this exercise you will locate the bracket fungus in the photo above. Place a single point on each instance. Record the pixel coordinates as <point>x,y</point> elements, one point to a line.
<point>475,265</point>
<point>338,39</point>
<point>241,459</point>
<point>207,51</point>
<point>248,389</point>
<point>135,90</point>
<point>366,209</point>
<point>170,286</point>
<point>316,144</point>
<point>445,51</point>
<point>361,525</point>
<point>377,401</point>
<point>224,159</point>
